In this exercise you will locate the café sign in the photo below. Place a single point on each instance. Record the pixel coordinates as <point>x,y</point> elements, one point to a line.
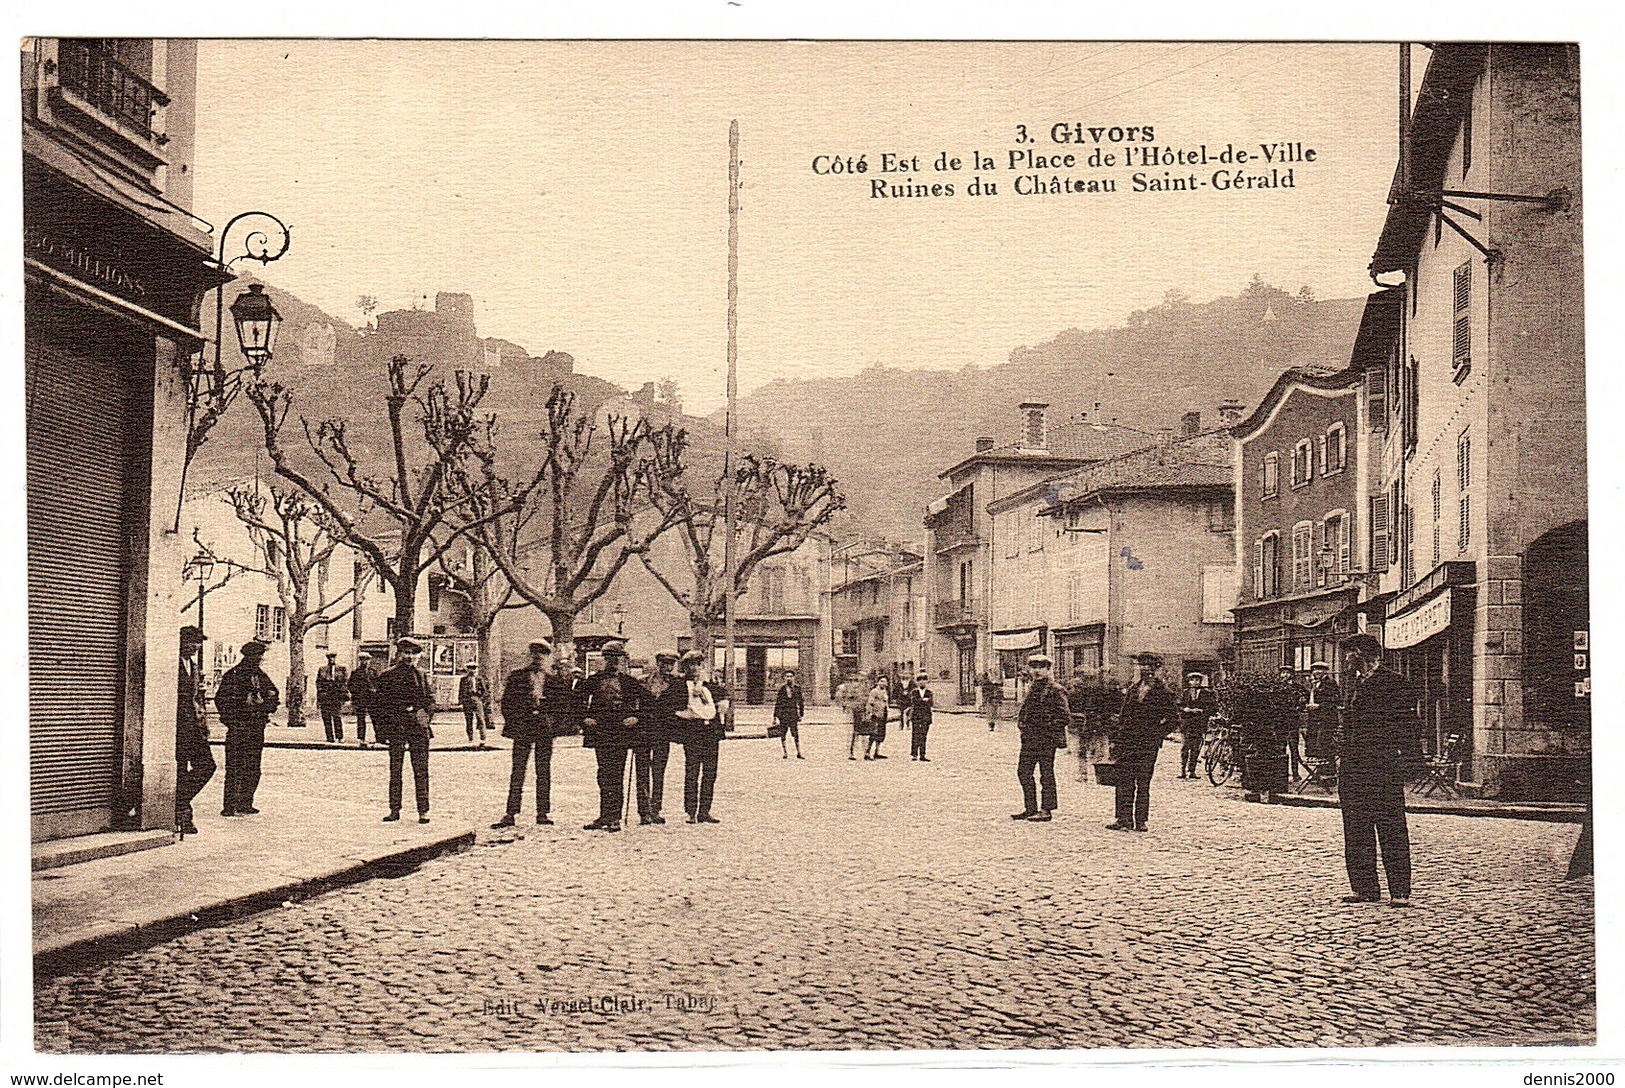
<point>1419,624</point>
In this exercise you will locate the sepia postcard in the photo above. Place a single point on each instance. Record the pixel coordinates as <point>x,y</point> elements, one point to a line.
<point>487,499</point>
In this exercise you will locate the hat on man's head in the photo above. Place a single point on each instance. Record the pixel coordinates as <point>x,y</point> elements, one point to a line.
<point>1198,677</point>
<point>541,644</point>
<point>192,634</point>
<point>666,659</point>
<point>254,648</point>
<point>408,645</point>
<point>1148,659</point>
<point>615,647</point>
<point>1362,644</point>
<point>330,653</point>
<point>470,666</point>
<point>1319,665</point>
<point>923,676</point>
<point>1039,661</point>
<point>692,657</point>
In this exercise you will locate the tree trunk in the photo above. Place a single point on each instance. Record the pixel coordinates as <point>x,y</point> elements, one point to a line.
<point>295,701</point>
<point>564,628</point>
<point>406,597</point>
<point>705,635</point>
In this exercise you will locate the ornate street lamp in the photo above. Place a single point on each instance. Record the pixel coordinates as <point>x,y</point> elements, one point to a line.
<point>200,566</point>
<point>619,613</point>
<point>256,320</point>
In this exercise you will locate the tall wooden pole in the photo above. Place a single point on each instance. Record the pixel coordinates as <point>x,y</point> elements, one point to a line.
<point>729,556</point>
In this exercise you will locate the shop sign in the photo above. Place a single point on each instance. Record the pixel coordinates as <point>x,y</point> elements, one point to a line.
<point>1419,624</point>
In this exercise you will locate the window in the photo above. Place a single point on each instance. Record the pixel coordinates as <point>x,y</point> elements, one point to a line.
<point>1461,337</point>
<point>880,639</point>
<point>437,585</point>
<point>964,582</point>
<point>1334,456</point>
<point>270,622</point>
<point>1035,531</point>
<point>1464,523</point>
<point>1303,555</point>
<point>1221,516</point>
<point>1464,481</point>
<point>849,642</point>
<point>1436,512</point>
<point>1302,463</point>
<point>1272,474</point>
<point>1218,593</point>
<point>1376,397</point>
<point>1267,565</point>
<point>1409,554</point>
<point>1381,533</point>
<point>1333,561</point>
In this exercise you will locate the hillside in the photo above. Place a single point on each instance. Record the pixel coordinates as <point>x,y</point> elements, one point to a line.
<point>888,432</point>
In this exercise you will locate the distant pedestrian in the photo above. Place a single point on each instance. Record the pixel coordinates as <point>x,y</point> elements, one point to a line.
<point>1321,714</point>
<point>992,699</point>
<point>850,697</point>
<point>1380,744</point>
<point>364,697</point>
<point>789,707</point>
<point>921,703</point>
<point>702,730</point>
<point>1197,705</point>
<point>1041,720</point>
<point>332,687</point>
<point>610,701</point>
<point>876,708</point>
<point>1289,720</point>
<point>194,763</point>
<point>405,722</point>
<point>657,729</point>
<point>534,702</point>
<point>475,699</point>
<point>1147,714</point>
<point>245,701</point>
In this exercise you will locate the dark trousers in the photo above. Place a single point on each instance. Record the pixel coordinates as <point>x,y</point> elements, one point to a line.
<point>649,774</point>
<point>611,782</point>
<point>1134,790</point>
<point>916,743</point>
<point>700,774</point>
<point>245,747</point>
<point>1293,759</point>
<point>361,715</point>
<point>1366,822</point>
<point>474,716</point>
<point>1041,760</point>
<point>1190,751</point>
<point>194,766</point>
<point>416,742</point>
<point>332,721</point>
<point>522,749</point>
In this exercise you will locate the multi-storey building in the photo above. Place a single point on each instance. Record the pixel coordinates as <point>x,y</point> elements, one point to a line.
<point>879,610</point>
<point>115,268</point>
<point>958,563</point>
<point>1311,509</point>
<point>1483,440</point>
<point>1132,555</point>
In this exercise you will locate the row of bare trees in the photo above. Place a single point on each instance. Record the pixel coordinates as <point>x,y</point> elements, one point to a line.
<point>546,519</point>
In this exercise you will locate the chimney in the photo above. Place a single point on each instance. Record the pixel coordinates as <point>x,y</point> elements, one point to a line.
<point>1033,434</point>
<point>1230,413</point>
<point>984,444</point>
<point>1190,424</point>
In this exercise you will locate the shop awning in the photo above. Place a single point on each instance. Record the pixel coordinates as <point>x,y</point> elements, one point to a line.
<point>1016,640</point>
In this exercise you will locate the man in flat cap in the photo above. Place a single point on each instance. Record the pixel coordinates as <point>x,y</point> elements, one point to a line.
<point>703,722</point>
<point>405,711</point>
<point>921,710</point>
<point>194,763</point>
<point>475,700</point>
<point>245,700</point>
<point>1197,705</point>
<point>332,685</point>
<point>1380,744</point>
<point>364,697</point>
<point>611,701</point>
<point>534,700</point>
<point>651,739</point>
<point>1143,720</point>
<point>1042,722</point>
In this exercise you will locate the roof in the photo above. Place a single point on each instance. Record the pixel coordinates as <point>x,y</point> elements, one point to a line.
<point>1200,460</point>
<point>1076,441</point>
<point>1440,103</point>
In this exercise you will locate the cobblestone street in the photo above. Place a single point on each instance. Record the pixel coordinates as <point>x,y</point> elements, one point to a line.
<point>890,906</point>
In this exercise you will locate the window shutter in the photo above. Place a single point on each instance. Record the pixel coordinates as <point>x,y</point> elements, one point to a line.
<point>1376,394</point>
<point>1381,534</point>
<point>1343,544</point>
<point>1462,334</point>
<point>1258,569</point>
<point>1325,465</point>
<point>1318,543</point>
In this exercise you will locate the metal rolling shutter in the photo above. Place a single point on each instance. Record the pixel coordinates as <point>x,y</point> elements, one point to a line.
<point>78,454</point>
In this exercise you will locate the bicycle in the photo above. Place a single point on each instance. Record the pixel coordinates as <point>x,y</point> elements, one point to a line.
<point>1221,751</point>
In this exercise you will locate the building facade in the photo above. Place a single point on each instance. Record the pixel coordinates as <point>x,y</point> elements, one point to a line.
<point>1132,555</point>
<point>1483,442</point>
<point>115,270</point>
<point>958,564</point>
<point>879,611</point>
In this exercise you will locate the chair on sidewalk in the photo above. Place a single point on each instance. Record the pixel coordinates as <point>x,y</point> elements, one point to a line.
<point>1322,772</point>
<point>1439,771</point>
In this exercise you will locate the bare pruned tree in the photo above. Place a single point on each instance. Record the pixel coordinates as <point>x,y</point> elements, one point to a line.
<point>585,512</point>
<point>294,542</point>
<point>406,516</point>
<point>777,507</point>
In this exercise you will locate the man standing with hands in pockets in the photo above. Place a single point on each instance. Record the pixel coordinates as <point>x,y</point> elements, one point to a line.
<point>1042,721</point>
<point>1379,746</point>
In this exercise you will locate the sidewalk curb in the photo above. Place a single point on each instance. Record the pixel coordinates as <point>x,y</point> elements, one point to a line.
<point>107,940</point>
<point>1566,815</point>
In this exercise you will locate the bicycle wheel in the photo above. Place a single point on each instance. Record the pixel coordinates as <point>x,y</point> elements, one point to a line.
<point>1221,764</point>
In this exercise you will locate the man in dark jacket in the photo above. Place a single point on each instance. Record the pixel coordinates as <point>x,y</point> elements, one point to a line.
<point>405,710</point>
<point>364,697</point>
<point>1042,722</point>
<point>920,704</point>
<point>651,747</point>
<point>702,724</point>
<point>610,702</point>
<point>473,697</point>
<point>1143,721</point>
<point>245,700</point>
<point>332,685</point>
<point>789,707</point>
<point>534,699</point>
<point>1379,746</point>
<point>1197,705</point>
<point>1325,701</point>
<point>194,763</point>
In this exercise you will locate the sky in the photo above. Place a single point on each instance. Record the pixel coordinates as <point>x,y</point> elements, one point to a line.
<point>578,190</point>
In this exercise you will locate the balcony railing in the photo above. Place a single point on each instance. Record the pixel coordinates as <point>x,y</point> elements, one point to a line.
<point>957,613</point>
<point>90,70</point>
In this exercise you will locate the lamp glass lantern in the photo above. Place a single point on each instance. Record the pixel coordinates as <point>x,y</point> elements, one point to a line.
<point>200,566</point>
<point>619,614</point>
<point>256,320</point>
